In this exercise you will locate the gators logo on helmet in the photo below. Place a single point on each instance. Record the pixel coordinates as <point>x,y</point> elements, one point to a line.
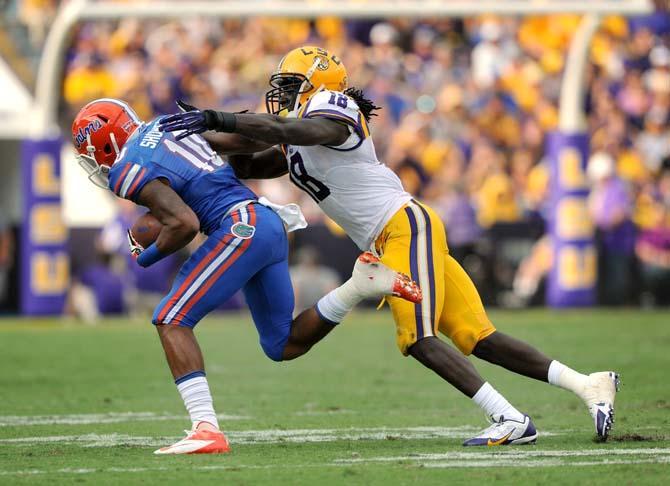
<point>82,133</point>
<point>99,132</point>
<point>301,73</point>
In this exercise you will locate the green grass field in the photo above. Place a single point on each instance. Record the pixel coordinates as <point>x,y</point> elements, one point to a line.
<point>89,405</point>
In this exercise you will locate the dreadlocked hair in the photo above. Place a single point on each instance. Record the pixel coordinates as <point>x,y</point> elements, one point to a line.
<point>365,105</point>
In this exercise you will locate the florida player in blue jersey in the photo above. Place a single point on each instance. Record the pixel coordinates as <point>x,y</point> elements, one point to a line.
<point>189,188</point>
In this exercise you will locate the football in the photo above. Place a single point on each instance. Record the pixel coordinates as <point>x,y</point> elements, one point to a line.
<point>146,229</point>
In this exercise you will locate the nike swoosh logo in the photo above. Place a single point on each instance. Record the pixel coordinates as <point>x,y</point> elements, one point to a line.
<point>185,446</point>
<point>499,441</point>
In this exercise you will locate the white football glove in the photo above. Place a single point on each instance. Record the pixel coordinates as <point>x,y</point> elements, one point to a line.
<point>135,247</point>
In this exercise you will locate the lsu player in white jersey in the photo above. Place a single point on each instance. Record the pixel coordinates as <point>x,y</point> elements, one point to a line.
<point>316,130</point>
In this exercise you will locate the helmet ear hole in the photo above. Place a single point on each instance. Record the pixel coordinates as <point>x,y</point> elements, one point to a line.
<point>107,148</point>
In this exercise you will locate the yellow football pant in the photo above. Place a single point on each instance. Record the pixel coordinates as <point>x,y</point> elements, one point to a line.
<point>414,242</point>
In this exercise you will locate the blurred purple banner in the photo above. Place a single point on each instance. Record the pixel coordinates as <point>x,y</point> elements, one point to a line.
<point>573,277</point>
<point>45,273</point>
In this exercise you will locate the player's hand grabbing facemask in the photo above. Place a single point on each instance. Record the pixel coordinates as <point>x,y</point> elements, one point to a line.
<point>135,248</point>
<point>191,120</point>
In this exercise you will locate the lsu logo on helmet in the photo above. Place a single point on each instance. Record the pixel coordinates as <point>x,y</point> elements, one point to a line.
<point>301,73</point>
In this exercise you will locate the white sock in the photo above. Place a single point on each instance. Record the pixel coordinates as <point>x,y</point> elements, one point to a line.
<point>566,378</point>
<point>495,405</point>
<point>338,303</point>
<point>194,390</point>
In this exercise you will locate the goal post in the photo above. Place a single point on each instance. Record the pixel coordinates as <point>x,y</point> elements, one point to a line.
<point>50,67</point>
<point>567,148</point>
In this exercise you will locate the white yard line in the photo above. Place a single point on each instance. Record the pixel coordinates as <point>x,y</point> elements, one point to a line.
<point>331,435</point>
<point>97,418</point>
<point>129,417</point>
<point>478,463</point>
<point>214,467</point>
<point>521,457</point>
<point>277,436</point>
<point>93,440</point>
<point>271,436</point>
<point>542,463</point>
<point>507,453</point>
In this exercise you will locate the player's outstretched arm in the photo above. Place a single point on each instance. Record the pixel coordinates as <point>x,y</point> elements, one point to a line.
<point>180,223</point>
<point>268,164</point>
<point>291,131</point>
<point>222,143</point>
<point>233,143</point>
<point>271,129</point>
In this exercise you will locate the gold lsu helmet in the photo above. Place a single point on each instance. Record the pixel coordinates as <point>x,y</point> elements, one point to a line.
<point>301,73</point>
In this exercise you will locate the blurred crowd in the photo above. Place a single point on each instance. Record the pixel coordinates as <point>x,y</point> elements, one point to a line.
<point>467,104</point>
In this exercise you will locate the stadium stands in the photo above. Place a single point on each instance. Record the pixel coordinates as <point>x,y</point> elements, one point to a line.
<point>467,104</point>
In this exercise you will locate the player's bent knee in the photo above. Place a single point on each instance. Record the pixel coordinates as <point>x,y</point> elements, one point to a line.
<point>424,349</point>
<point>405,340</point>
<point>274,354</point>
<point>274,349</point>
<point>485,348</point>
<point>467,339</point>
<point>173,324</point>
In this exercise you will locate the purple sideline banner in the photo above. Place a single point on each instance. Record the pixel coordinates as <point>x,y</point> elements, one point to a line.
<point>45,271</point>
<point>573,277</point>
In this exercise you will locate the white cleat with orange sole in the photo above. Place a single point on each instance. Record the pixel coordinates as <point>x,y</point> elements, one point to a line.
<point>198,442</point>
<point>374,279</point>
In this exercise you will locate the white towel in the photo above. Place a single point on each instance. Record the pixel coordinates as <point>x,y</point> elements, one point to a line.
<point>291,214</point>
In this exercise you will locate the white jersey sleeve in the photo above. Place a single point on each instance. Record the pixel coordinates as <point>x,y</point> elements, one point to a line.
<point>339,107</point>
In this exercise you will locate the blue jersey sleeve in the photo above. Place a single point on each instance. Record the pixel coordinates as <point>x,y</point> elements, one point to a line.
<point>127,178</point>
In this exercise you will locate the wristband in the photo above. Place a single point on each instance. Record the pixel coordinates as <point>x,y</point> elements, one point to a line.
<point>150,256</point>
<point>221,121</point>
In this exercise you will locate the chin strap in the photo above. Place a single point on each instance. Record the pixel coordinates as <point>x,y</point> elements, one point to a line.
<point>114,144</point>
<point>90,148</point>
<point>308,76</point>
<point>296,110</point>
<point>97,173</point>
